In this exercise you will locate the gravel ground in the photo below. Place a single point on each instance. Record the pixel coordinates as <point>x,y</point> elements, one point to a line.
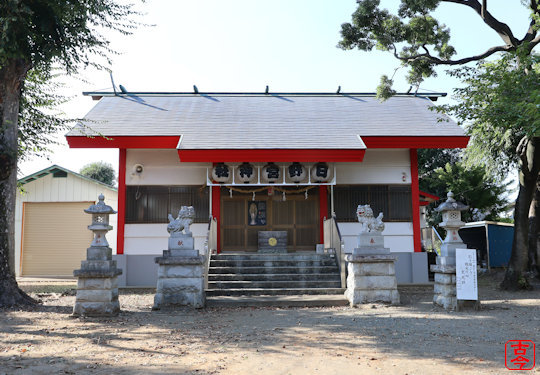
<point>412,338</point>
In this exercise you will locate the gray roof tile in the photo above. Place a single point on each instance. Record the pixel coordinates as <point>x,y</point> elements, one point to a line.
<point>269,121</point>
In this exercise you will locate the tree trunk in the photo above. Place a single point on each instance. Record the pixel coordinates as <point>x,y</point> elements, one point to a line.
<point>529,152</point>
<point>533,231</point>
<point>12,75</point>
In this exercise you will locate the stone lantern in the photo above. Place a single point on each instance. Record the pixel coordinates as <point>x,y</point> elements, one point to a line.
<point>451,215</point>
<point>100,221</point>
<point>445,269</point>
<point>97,285</point>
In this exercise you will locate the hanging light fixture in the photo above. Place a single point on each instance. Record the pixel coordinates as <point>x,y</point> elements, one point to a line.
<point>321,172</point>
<point>245,173</point>
<point>221,173</point>
<point>270,173</point>
<point>297,172</point>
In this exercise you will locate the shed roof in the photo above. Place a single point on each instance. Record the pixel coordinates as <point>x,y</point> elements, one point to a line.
<point>292,121</point>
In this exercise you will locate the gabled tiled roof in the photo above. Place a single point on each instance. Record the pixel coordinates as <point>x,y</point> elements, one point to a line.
<point>265,121</point>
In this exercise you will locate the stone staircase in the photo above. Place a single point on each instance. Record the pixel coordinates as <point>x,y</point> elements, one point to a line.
<point>294,279</point>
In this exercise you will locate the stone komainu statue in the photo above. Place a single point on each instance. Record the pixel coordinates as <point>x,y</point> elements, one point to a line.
<point>183,221</point>
<point>369,223</point>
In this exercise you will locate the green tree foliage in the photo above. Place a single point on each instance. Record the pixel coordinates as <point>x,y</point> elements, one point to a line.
<point>416,38</point>
<point>443,170</point>
<point>429,159</point>
<point>473,186</point>
<point>499,104</point>
<point>37,34</point>
<point>39,117</point>
<point>420,41</point>
<point>100,171</point>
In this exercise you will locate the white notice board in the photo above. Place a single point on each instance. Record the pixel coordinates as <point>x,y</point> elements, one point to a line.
<point>466,274</point>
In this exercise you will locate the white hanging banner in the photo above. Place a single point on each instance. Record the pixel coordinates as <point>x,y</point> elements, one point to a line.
<point>466,274</point>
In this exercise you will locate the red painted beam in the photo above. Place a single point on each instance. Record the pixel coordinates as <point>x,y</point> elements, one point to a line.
<point>121,201</point>
<point>123,142</point>
<point>171,142</point>
<point>427,195</point>
<point>274,155</point>
<point>323,209</point>
<point>415,192</point>
<point>416,142</point>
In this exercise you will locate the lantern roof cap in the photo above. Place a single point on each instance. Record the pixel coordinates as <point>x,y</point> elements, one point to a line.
<point>451,204</point>
<point>100,207</point>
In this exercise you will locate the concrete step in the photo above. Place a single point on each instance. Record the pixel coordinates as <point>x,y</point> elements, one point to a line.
<point>270,284</point>
<point>323,300</point>
<point>273,276</point>
<point>272,263</point>
<point>272,292</point>
<point>273,270</point>
<point>256,256</point>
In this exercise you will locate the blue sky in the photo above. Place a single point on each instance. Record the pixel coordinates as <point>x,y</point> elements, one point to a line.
<point>244,45</point>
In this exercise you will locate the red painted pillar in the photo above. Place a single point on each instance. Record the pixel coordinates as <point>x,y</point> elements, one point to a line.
<point>216,213</point>
<point>323,209</point>
<point>121,201</point>
<point>415,192</point>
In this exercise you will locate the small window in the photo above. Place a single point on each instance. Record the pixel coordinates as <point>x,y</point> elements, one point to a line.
<point>59,174</point>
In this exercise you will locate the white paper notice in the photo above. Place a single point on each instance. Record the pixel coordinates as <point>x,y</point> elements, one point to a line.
<point>466,278</point>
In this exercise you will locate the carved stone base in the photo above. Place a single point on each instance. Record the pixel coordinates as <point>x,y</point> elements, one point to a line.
<point>445,284</point>
<point>181,241</point>
<point>97,284</point>
<point>180,282</point>
<point>372,278</point>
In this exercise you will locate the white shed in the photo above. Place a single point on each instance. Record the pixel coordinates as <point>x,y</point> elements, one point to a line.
<point>51,235</point>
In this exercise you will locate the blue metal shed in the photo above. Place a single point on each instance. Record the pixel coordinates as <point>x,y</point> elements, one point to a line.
<point>492,240</point>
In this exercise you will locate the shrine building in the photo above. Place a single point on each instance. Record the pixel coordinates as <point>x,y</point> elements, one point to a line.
<point>252,162</point>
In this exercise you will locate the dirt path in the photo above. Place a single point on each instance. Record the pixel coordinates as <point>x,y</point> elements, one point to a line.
<point>413,338</point>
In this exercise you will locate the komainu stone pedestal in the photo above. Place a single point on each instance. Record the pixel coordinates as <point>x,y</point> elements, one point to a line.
<point>180,281</point>
<point>181,268</point>
<point>371,267</point>
<point>372,278</point>
<point>445,286</point>
<point>97,285</point>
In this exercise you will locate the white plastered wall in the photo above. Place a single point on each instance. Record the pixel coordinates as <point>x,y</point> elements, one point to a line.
<point>62,189</point>
<point>162,167</point>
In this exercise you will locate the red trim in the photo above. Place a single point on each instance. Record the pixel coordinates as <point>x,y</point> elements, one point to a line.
<point>123,142</point>
<point>275,155</point>
<point>415,200</point>
<point>416,142</point>
<point>171,142</point>
<point>424,203</point>
<point>216,212</point>
<point>427,195</point>
<point>323,209</point>
<point>121,201</point>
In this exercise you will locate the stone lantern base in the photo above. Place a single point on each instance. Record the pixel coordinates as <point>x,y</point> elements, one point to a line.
<point>97,285</point>
<point>445,285</point>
